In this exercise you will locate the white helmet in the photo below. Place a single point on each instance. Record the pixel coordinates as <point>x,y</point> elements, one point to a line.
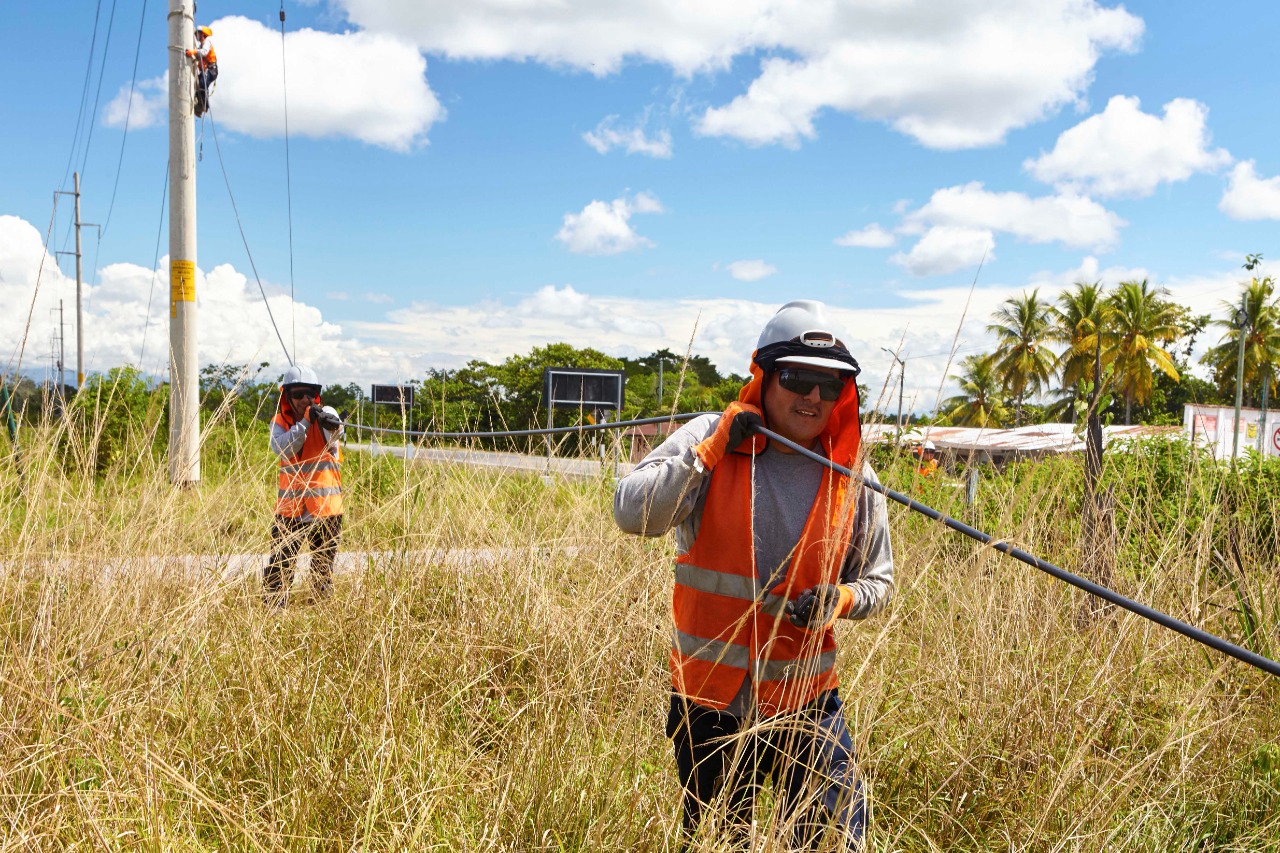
<point>805,321</point>
<point>300,374</point>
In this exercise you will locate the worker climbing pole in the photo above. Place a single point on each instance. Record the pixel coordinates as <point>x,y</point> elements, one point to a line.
<point>205,60</point>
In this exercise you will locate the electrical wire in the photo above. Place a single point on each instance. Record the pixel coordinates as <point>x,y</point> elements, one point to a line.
<point>128,111</point>
<point>155,267</point>
<point>288,179</point>
<point>84,97</point>
<point>214,128</point>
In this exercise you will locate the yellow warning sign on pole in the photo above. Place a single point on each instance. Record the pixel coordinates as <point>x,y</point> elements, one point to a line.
<point>182,283</point>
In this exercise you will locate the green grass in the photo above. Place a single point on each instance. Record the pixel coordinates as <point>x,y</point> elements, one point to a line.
<point>518,704</point>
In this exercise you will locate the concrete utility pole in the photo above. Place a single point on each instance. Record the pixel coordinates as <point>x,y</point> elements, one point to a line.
<point>79,283</point>
<point>184,387</point>
<point>902,380</point>
<point>1242,320</point>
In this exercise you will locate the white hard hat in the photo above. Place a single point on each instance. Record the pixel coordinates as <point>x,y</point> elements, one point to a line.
<point>300,374</point>
<point>805,321</point>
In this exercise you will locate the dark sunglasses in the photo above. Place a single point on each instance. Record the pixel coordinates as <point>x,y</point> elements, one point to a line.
<point>301,394</point>
<point>800,381</point>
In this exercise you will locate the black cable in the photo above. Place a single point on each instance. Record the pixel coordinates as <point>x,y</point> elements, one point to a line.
<point>1239,653</point>
<point>214,127</point>
<point>1190,631</point>
<point>128,111</point>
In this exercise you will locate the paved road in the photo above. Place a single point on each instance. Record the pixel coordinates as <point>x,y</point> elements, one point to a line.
<point>503,461</point>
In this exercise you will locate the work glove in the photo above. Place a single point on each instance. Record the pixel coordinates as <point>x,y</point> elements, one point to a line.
<point>735,427</point>
<point>818,607</point>
<point>191,54</point>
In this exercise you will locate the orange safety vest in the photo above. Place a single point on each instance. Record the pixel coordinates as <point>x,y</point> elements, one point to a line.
<point>725,627</point>
<point>310,482</point>
<point>210,59</point>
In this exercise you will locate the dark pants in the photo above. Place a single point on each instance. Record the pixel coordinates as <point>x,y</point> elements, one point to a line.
<point>204,79</point>
<point>287,535</point>
<point>807,755</point>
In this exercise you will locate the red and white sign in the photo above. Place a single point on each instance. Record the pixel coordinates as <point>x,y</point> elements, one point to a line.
<point>1275,439</point>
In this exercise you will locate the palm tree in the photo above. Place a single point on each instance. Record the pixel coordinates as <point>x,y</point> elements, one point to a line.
<point>978,403</point>
<point>1140,322</point>
<point>1077,319</point>
<point>1262,337</point>
<point>1021,362</point>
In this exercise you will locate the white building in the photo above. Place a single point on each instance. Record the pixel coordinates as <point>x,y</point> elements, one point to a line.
<point>1216,427</point>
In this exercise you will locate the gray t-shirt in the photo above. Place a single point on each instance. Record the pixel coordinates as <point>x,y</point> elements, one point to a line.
<point>667,489</point>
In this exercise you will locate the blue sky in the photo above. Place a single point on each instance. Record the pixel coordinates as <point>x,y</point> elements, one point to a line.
<point>472,179</point>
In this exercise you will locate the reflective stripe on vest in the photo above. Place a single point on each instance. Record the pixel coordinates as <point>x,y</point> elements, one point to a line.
<point>310,482</point>
<point>726,627</point>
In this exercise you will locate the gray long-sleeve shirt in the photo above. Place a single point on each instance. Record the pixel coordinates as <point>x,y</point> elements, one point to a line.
<point>667,489</point>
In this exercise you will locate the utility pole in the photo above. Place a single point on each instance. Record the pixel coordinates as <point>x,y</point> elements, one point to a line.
<point>184,387</point>
<point>902,380</point>
<point>79,283</point>
<point>1242,320</point>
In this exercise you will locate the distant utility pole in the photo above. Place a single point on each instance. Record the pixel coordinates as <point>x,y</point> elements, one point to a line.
<point>902,380</point>
<point>79,283</point>
<point>184,387</point>
<point>1242,321</point>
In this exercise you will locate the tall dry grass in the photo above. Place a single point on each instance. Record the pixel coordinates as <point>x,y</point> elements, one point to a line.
<point>492,676</point>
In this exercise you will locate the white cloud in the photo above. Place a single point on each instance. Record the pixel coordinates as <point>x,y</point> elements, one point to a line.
<point>949,73</point>
<point>1123,151</point>
<point>751,270</point>
<point>1089,271</point>
<point>126,317</point>
<point>870,237</point>
<point>946,248</point>
<point>367,86</point>
<point>604,228</point>
<point>150,104</point>
<point>609,135</point>
<point>1067,218</point>
<point>1249,197</point>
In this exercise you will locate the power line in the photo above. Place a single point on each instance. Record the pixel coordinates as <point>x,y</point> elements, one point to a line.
<point>127,112</point>
<point>288,180</point>
<point>155,264</point>
<point>84,97</point>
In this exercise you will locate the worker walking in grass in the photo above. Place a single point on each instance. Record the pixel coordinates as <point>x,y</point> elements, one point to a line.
<point>304,435</point>
<point>206,61</point>
<point>773,548</point>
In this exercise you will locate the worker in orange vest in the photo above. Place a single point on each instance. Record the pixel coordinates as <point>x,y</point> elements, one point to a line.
<point>774,548</point>
<point>206,60</point>
<point>926,458</point>
<point>304,435</point>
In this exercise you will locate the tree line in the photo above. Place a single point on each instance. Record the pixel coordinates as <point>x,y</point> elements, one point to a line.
<point>1132,341</point>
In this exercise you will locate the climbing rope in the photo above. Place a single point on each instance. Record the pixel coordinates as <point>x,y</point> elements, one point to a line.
<point>213,127</point>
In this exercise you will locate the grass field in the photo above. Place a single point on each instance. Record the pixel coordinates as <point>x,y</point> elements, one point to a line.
<point>520,705</point>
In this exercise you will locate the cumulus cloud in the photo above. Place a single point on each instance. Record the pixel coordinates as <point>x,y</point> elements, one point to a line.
<point>946,248</point>
<point>608,134</point>
<point>1067,217</point>
<point>751,270</point>
<point>1123,151</point>
<point>1250,197</point>
<point>949,73</point>
<point>126,317</point>
<point>870,237</point>
<point>147,106</point>
<point>604,228</point>
<point>366,86</point>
